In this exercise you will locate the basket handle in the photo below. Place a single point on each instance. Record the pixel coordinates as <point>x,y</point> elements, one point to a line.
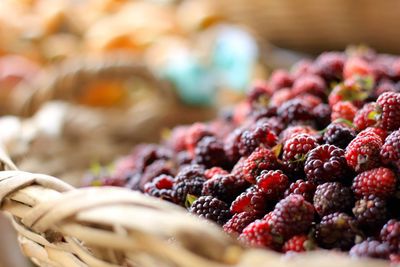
<point>65,79</point>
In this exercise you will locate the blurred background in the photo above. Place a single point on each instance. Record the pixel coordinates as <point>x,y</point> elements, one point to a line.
<point>82,81</point>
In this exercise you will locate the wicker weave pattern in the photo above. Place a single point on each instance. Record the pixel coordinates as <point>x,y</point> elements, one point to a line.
<point>109,227</point>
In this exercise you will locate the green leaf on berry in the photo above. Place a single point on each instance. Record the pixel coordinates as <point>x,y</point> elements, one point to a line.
<point>344,121</point>
<point>277,149</point>
<point>374,115</point>
<point>189,200</point>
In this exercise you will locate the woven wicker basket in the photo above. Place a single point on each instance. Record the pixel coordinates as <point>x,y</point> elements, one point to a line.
<point>98,133</point>
<point>316,26</point>
<point>58,225</point>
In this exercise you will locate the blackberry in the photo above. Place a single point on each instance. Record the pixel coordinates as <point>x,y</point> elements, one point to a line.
<point>190,172</point>
<point>280,79</point>
<point>303,188</point>
<point>210,152</point>
<point>149,154</point>
<point>231,145</point>
<point>251,139</point>
<point>370,249</point>
<point>295,150</point>
<point>161,187</point>
<point>258,234</point>
<point>390,234</point>
<point>194,134</point>
<point>155,169</point>
<point>261,159</point>
<point>325,163</point>
<point>332,197</point>
<point>239,221</point>
<point>322,114</point>
<point>193,186</point>
<point>370,213</point>
<point>225,187</point>
<point>336,230</point>
<point>339,135</point>
<point>310,84</point>
<point>292,215</point>
<point>258,96</point>
<point>295,110</point>
<point>211,208</point>
<point>329,65</point>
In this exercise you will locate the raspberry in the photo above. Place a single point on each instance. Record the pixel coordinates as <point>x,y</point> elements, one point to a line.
<point>210,173</point>
<point>191,186</point>
<point>210,152</point>
<point>225,187</point>
<point>339,135</point>
<point>325,163</point>
<point>280,79</point>
<point>258,234</point>
<point>380,182</point>
<point>343,110</point>
<point>194,134</point>
<point>390,153</point>
<point>322,114</point>
<point>370,213</point>
<point>295,110</point>
<point>356,66</point>
<point>303,188</point>
<point>298,243</point>
<point>390,233</point>
<point>261,159</point>
<point>295,150</point>
<point>231,145</point>
<point>330,65</point>
<point>292,215</point>
<point>252,200</point>
<point>363,118</point>
<point>363,152</point>
<point>273,184</point>
<point>388,105</point>
<point>370,249</point>
<point>161,187</point>
<point>292,131</point>
<point>332,197</point>
<point>239,221</point>
<point>311,84</point>
<point>211,208</point>
<point>336,230</point>
<point>251,139</point>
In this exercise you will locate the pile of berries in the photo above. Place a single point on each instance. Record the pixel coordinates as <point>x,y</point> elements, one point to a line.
<point>310,160</point>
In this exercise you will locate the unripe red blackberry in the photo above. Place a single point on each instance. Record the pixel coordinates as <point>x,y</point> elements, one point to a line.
<point>239,221</point>
<point>390,153</point>
<point>390,233</point>
<point>332,197</point>
<point>303,188</point>
<point>389,109</point>
<point>261,159</point>
<point>295,150</point>
<point>211,208</point>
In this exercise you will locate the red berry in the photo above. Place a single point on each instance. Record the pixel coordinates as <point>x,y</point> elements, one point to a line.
<point>280,79</point>
<point>330,65</point>
<point>258,234</point>
<point>295,150</point>
<point>380,182</point>
<point>261,135</point>
<point>194,134</point>
<point>281,96</point>
<point>273,184</point>
<point>252,200</point>
<point>390,153</point>
<point>310,84</point>
<point>388,105</point>
<point>225,187</point>
<point>343,110</point>
<point>261,159</point>
<point>364,116</point>
<point>390,233</point>
<point>356,66</point>
<point>210,173</point>
<point>363,152</point>
<point>298,243</point>
<point>239,221</point>
<point>325,163</point>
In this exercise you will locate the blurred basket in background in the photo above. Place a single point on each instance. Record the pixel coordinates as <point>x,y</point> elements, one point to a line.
<point>315,26</point>
<point>92,109</point>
